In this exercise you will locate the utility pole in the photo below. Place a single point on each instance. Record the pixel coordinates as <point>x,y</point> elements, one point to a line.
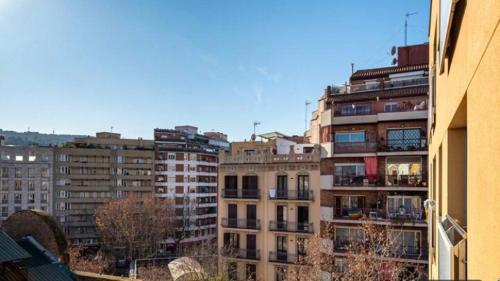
<point>407,15</point>
<point>307,103</point>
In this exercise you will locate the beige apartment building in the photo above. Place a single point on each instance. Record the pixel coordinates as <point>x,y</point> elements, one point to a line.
<point>268,206</point>
<point>93,170</point>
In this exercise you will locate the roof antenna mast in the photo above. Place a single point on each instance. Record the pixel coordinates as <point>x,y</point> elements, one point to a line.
<point>255,124</point>
<point>307,103</point>
<point>407,15</point>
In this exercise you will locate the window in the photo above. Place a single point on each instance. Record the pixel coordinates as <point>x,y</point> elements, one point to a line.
<point>4,156</point>
<point>339,264</point>
<point>44,172</point>
<point>345,236</point>
<point>31,157</point>
<point>302,244</point>
<point>31,172</point>
<point>18,185</point>
<point>349,174</point>
<point>350,137</point>
<point>391,107</point>
<point>63,157</point>
<point>45,158</point>
<point>171,156</point>
<point>43,198</point>
<point>404,206</point>
<point>31,185</point>
<point>45,185</point>
<point>4,185</point>
<point>5,212</point>
<point>249,152</point>
<point>403,171</point>
<point>18,198</point>
<point>19,158</point>
<point>18,172</point>
<point>405,138</point>
<point>355,109</point>
<point>64,170</point>
<point>31,198</point>
<point>406,242</point>
<point>4,172</point>
<point>4,198</point>
<point>281,273</point>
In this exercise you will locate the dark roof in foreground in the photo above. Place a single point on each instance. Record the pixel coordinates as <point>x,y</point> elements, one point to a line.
<point>10,250</point>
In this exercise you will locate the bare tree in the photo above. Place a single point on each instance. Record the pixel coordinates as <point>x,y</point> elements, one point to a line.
<point>374,255</point>
<point>80,259</point>
<point>135,224</point>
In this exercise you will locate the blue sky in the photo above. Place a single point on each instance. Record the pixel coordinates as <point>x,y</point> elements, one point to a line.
<point>82,66</point>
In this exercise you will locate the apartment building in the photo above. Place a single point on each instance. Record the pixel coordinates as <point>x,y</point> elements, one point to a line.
<point>186,171</point>
<point>93,170</point>
<point>25,179</point>
<point>464,152</point>
<point>268,206</point>
<point>374,158</point>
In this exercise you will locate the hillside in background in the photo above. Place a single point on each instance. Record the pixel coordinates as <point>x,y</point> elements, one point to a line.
<point>27,138</point>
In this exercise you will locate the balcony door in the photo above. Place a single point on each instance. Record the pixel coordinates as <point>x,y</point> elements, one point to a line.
<point>231,241</point>
<point>303,218</point>
<point>232,214</point>
<point>405,139</point>
<point>281,247</point>
<point>302,186</point>
<point>281,216</point>
<point>251,271</point>
<point>281,186</point>
<point>231,186</point>
<point>251,246</point>
<point>251,216</point>
<point>250,186</point>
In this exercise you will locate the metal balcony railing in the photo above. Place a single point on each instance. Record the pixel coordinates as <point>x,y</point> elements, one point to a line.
<point>352,180</point>
<point>241,223</point>
<point>241,193</point>
<point>391,84</point>
<point>303,227</point>
<point>282,257</point>
<point>406,180</point>
<point>355,147</point>
<point>291,195</point>
<point>411,215</point>
<point>250,254</point>
<point>394,145</point>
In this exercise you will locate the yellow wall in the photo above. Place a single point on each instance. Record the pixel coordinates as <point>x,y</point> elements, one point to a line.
<point>468,98</point>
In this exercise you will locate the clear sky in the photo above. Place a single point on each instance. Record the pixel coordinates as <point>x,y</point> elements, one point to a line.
<point>81,66</point>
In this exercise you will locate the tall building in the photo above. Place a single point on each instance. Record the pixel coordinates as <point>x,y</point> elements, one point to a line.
<point>186,171</point>
<point>374,157</point>
<point>268,206</point>
<point>93,170</point>
<point>25,179</point>
<point>464,151</point>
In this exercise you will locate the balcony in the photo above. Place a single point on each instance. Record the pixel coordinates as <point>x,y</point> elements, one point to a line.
<point>354,147</point>
<point>284,257</point>
<point>418,180</point>
<point>405,215</point>
<point>249,254</point>
<point>398,145</point>
<point>285,226</point>
<point>291,195</point>
<point>352,180</point>
<point>240,193</point>
<point>345,245</point>
<point>391,84</point>
<point>241,223</point>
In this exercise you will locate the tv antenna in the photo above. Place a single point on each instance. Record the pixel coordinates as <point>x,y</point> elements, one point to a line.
<point>255,124</point>
<point>407,15</point>
<point>111,129</point>
<point>307,103</point>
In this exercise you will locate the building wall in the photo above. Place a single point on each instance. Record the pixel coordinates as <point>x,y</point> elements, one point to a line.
<point>466,130</point>
<point>267,172</point>
<point>92,171</point>
<point>29,177</point>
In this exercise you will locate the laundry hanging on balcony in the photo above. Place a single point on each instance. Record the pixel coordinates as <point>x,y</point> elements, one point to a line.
<point>371,168</point>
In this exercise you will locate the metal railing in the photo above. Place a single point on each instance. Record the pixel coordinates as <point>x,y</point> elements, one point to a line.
<point>356,180</point>
<point>283,257</point>
<point>241,223</point>
<point>241,193</point>
<point>250,254</point>
<point>406,180</point>
<point>355,147</point>
<point>292,195</point>
<point>403,144</point>
<point>303,227</point>
<point>391,84</point>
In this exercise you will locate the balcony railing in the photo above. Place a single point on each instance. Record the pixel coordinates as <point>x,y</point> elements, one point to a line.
<point>354,180</point>
<point>291,195</point>
<point>241,193</point>
<point>241,223</point>
<point>355,147</point>
<point>395,145</point>
<point>410,215</point>
<point>391,84</point>
<point>250,254</point>
<point>303,227</point>
<point>405,180</point>
<point>344,244</point>
<point>283,257</point>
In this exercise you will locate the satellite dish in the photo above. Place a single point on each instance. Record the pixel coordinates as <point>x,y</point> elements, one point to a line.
<point>394,61</point>
<point>393,50</point>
